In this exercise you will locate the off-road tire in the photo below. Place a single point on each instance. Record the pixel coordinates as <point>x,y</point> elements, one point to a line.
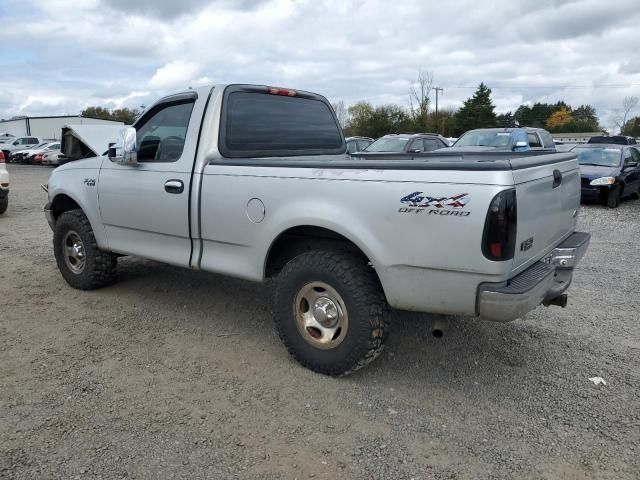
<point>614,196</point>
<point>368,312</point>
<point>4,203</point>
<point>100,266</point>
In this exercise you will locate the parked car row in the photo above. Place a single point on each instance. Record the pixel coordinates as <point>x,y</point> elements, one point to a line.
<point>41,153</point>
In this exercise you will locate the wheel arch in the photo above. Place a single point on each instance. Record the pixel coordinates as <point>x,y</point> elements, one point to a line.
<point>63,203</point>
<point>300,238</point>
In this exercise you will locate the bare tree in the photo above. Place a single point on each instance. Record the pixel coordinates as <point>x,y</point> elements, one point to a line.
<point>420,95</point>
<point>628,104</point>
<point>341,113</point>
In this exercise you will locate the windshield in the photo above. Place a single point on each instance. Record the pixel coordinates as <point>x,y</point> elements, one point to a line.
<point>388,144</point>
<point>484,139</point>
<point>603,157</point>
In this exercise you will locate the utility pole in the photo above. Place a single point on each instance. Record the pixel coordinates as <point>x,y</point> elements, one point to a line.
<point>438,89</point>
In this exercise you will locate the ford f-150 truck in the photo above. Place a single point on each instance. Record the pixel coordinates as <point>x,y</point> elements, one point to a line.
<point>254,182</point>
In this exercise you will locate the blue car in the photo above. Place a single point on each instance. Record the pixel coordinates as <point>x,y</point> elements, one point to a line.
<point>609,172</point>
<point>518,139</point>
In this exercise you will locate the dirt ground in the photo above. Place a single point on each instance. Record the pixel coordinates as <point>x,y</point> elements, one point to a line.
<point>174,374</point>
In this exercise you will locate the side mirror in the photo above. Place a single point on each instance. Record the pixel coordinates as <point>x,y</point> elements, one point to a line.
<point>630,165</point>
<point>124,150</point>
<point>520,144</point>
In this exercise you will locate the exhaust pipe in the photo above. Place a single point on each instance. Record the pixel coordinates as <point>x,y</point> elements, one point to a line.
<point>438,328</point>
<point>559,301</point>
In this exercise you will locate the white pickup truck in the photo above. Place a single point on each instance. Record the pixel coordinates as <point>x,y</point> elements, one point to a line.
<point>254,182</point>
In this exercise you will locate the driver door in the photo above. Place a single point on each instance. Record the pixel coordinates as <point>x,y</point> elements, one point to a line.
<point>145,206</point>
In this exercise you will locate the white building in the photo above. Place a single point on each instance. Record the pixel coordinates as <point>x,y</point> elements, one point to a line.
<point>49,128</point>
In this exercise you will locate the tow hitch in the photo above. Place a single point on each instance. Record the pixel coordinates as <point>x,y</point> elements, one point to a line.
<point>559,301</point>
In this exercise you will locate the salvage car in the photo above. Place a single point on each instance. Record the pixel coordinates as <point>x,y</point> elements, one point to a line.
<point>357,144</point>
<point>520,139</point>
<point>615,139</point>
<point>34,156</point>
<point>54,157</point>
<point>609,172</point>
<point>19,144</point>
<point>16,155</point>
<point>254,182</point>
<point>407,144</point>
<point>4,185</point>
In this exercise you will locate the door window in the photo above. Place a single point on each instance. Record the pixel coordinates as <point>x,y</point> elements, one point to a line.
<point>628,158</point>
<point>352,146</point>
<point>431,144</point>
<point>534,141</point>
<point>161,136</point>
<point>635,155</point>
<point>362,144</point>
<point>417,146</point>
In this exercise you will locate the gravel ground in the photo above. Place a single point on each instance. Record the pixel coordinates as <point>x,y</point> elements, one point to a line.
<point>175,374</point>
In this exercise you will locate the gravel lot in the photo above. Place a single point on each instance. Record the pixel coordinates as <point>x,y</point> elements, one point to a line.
<point>174,374</point>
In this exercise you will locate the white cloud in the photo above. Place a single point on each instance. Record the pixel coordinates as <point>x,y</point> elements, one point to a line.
<point>174,75</point>
<point>528,51</point>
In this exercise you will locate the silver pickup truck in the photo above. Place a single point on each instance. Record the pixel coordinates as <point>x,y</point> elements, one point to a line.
<point>254,182</point>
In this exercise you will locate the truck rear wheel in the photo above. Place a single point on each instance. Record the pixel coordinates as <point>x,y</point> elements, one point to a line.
<point>4,203</point>
<point>82,264</point>
<point>330,311</point>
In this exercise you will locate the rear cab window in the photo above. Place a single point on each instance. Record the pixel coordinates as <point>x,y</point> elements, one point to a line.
<point>256,123</point>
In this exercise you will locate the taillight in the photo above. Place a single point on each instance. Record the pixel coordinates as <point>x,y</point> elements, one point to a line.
<point>1,157</point>
<point>285,92</point>
<point>499,237</point>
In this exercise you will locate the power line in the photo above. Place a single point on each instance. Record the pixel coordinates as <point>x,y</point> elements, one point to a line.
<point>564,87</point>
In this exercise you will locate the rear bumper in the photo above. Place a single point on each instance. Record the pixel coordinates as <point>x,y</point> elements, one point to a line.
<point>540,283</point>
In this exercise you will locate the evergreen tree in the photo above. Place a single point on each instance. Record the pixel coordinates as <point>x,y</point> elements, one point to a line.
<point>477,111</point>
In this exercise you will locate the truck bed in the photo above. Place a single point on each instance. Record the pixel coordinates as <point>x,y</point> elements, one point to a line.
<point>440,160</point>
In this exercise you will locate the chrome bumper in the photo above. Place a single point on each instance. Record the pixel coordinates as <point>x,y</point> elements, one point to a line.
<point>540,283</point>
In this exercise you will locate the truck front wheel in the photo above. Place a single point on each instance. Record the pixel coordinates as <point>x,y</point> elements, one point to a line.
<point>330,311</point>
<point>4,203</point>
<point>82,264</point>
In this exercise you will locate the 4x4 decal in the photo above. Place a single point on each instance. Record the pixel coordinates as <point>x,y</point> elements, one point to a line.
<point>418,202</point>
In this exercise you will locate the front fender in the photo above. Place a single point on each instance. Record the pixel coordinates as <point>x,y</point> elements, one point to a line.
<point>81,186</point>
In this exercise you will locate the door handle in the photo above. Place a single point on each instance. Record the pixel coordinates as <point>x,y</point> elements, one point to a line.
<point>174,186</point>
<point>557,178</point>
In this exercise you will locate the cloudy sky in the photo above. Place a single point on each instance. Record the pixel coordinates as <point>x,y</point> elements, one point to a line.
<point>58,56</point>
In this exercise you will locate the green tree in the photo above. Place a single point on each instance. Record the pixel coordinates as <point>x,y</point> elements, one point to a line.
<point>96,112</point>
<point>632,127</point>
<point>377,121</point>
<point>505,120</point>
<point>477,111</point>
<point>587,114</point>
<point>126,115</point>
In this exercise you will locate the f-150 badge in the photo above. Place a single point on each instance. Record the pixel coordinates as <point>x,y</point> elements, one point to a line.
<point>90,182</point>
<point>418,202</point>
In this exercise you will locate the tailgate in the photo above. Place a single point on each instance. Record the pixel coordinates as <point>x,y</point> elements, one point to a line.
<point>548,197</point>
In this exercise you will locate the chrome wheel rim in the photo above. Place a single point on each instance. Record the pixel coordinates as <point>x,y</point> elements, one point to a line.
<point>321,315</point>
<point>73,251</point>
